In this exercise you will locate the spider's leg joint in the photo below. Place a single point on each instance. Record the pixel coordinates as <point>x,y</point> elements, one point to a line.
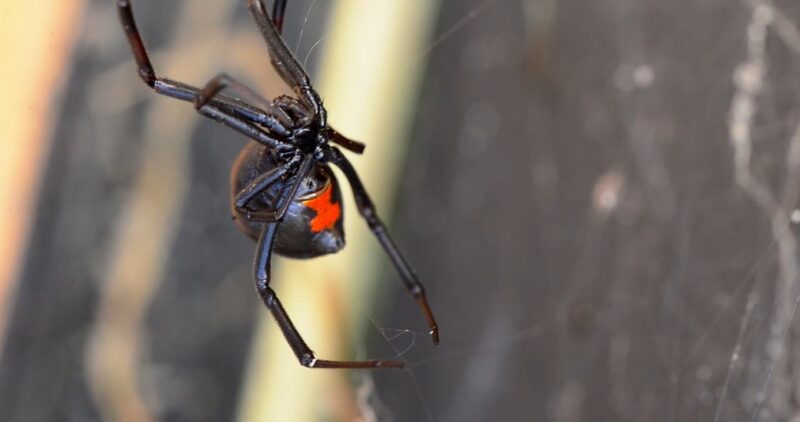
<point>267,294</point>
<point>308,360</point>
<point>211,89</point>
<point>148,77</point>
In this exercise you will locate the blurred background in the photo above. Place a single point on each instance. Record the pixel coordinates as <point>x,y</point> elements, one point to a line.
<point>601,198</point>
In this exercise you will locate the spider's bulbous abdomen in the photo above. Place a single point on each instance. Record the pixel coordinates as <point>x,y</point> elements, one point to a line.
<point>312,225</point>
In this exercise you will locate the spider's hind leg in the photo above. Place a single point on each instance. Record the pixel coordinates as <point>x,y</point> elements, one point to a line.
<point>367,210</point>
<point>296,342</point>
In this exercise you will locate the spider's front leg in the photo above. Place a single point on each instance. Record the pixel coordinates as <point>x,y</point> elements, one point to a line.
<point>262,272</point>
<point>367,210</point>
<point>227,111</point>
<point>276,120</point>
<point>284,62</point>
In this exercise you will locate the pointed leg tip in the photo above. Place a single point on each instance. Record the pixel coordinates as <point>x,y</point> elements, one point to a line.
<point>435,336</point>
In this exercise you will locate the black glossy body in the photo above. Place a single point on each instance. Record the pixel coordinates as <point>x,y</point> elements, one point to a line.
<point>294,237</point>
<point>283,193</point>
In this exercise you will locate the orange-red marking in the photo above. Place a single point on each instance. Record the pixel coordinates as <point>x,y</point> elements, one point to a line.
<point>328,212</point>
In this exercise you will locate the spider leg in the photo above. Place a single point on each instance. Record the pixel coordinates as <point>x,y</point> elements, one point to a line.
<point>146,71</point>
<point>189,93</point>
<point>230,112</point>
<point>346,142</point>
<point>262,182</point>
<point>261,269</point>
<point>295,109</point>
<point>161,85</point>
<point>367,210</point>
<point>278,121</point>
<point>252,131</point>
<point>284,198</point>
<point>278,9</point>
<point>284,61</point>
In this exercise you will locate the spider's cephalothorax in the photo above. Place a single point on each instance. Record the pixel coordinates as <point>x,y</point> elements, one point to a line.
<point>284,195</point>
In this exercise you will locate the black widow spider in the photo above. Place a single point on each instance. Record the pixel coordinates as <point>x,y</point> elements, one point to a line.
<point>283,194</point>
